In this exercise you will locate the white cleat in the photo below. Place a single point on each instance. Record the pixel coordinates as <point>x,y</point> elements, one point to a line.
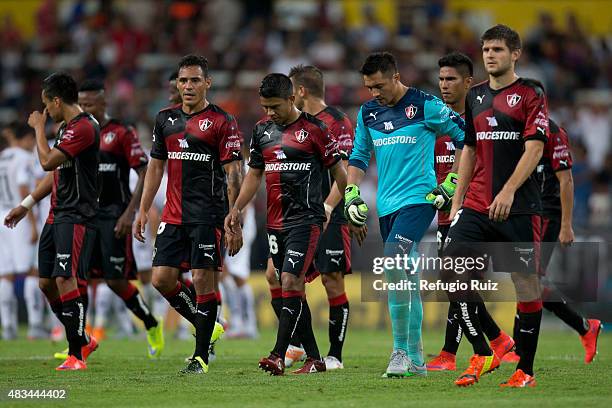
<point>293,355</point>
<point>332,363</point>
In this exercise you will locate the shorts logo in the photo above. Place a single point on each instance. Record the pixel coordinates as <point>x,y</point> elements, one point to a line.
<point>161,228</point>
<point>335,260</point>
<point>63,265</point>
<point>291,252</point>
<point>525,254</point>
<point>206,247</point>
<point>109,137</point>
<point>292,262</point>
<point>204,124</point>
<point>513,99</point>
<point>301,135</point>
<point>211,256</point>
<point>411,111</point>
<point>334,252</point>
<point>117,260</point>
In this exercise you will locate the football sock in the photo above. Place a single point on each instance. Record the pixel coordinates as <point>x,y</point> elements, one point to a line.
<point>73,317</point>
<point>338,322</point>
<point>205,323</point>
<point>306,334</point>
<point>289,316</point>
<point>529,330</point>
<point>277,301</point>
<point>470,325</point>
<point>489,327</point>
<point>452,337</point>
<point>569,316</point>
<point>134,301</point>
<point>516,334</point>
<point>180,299</point>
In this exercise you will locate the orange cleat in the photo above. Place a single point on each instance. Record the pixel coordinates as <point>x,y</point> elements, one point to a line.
<point>502,345</point>
<point>511,357</point>
<point>445,361</point>
<point>99,333</point>
<point>89,348</point>
<point>589,340</point>
<point>519,380</point>
<point>72,364</point>
<point>311,366</point>
<point>479,365</point>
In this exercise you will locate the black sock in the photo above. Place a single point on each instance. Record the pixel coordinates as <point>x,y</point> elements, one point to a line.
<point>529,331</point>
<point>489,327</point>
<point>453,335</point>
<point>516,333</point>
<point>277,305</point>
<point>56,308</point>
<point>73,314</point>
<point>134,301</point>
<point>85,301</point>
<point>290,313</point>
<point>338,322</point>
<point>570,317</point>
<point>180,299</point>
<point>470,324</point>
<point>306,334</point>
<point>205,323</point>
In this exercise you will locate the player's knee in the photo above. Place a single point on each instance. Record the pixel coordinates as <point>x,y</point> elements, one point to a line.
<point>204,280</point>
<point>45,285</point>
<point>291,282</point>
<point>163,283</point>
<point>117,285</point>
<point>333,283</point>
<point>271,277</point>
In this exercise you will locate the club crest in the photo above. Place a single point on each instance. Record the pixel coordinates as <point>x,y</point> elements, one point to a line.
<point>205,124</point>
<point>301,135</point>
<point>411,111</point>
<point>513,100</point>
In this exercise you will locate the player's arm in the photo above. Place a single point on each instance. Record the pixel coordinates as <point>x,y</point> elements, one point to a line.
<point>152,181</point>
<point>49,158</point>
<point>124,223</point>
<point>464,177</point>
<point>249,188</point>
<point>566,190</point>
<point>42,190</point>
<point>233,172</point>
<point>334,197</point>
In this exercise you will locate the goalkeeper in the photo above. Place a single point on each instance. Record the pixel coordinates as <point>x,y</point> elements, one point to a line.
<point>400,124</point>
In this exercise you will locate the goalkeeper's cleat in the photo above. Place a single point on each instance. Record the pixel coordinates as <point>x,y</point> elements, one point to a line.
<point>502,344</point>
<point>272,364</point>
<point>72,364</point>
<point>155,338</point>
<point>445,361</point>
<point>589,340</point>
<point>61,355</point>
<point>519,380</point>
<point>398,365</point>
<point>311,366</point>
<point>418,370</point>
<point>89,348</point>
<point>293,355</point>
<point>196,366</point>
<point>332,363</point>
<point>355,209</point>
<point>511,357</point>
<point>479,365</point>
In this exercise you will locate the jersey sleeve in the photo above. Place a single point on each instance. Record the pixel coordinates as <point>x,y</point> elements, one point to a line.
<point>132,150</point>
<point>326,145</point>
<point>362,145</point>
<point>444,121</point>
<point>158,150</point>
<point>77,137</point>
<point>536,114</point>
<point>343,130</point>
<point>561,155</point>
<point>256,159</point>
<point>470,132</point>
<point>230,141</point>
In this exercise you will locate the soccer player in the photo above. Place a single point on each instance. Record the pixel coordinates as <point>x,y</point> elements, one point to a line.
<point>554,175</point>
<point>201,144</point>
<point>292,148</point>
<point>68,238</point>
<point>506,128</point>
<point>455,79</point>
<point>333,257</point>
<point>400,125</point>
<point>120,151</point>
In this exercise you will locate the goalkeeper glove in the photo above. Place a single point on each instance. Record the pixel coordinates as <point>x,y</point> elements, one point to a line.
<point>355,210</point>
<point>442,196</point>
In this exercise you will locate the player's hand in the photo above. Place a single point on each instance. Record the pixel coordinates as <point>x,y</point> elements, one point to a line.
<point>359,233</point>
<point>566,236</point>
<point>233,242</point>
<point>33,234</point>
<point>355,209</point>
<point>139,226</point>
<point>124,225</point>
<point>501,205</point>
<point>14,216</point>
<point>441,197</point>
<point>37,119</point>
<point>454,210</point>
<point>328,213</point>
<point>232,221</point>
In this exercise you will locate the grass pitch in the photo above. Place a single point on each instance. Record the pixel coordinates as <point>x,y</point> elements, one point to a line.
<point>120,375</point>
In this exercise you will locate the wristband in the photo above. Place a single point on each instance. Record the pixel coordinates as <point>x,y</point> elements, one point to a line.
<point>328,208</point>
<point>28,202</point>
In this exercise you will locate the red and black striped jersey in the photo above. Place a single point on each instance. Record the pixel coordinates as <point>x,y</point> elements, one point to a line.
<point>120,151</point>
<point>498,123</point>
<point>74,198</point>
<point>444,152</point>
<point>294,158</point>
<point>341,127</point>
<point>556,157</point>
<point>196,147</point>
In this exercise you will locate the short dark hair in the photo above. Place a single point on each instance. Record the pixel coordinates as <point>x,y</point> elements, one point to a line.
<point>92,85</point>
<point>461,62</point>
<point>276,86</point>
<point>379,61</point>
<point>310,77</point>
<point>61,85</point>
<point>192,60</point>
<point>505,33</point>
<point>173,76</point>
<point>23,130</point>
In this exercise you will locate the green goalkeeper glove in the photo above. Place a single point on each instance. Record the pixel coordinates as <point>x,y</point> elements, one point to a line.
<point>441,197</point>
<point>355,209</point>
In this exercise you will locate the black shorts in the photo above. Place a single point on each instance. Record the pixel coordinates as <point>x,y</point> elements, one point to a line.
<point>198,246</point>
<point>293,250</point>
<point>513,244</point>
<point>441,237</point>
<point>113,258</point>
<point>551,226</point>
<point>334,250</point>
<point>66,250</point>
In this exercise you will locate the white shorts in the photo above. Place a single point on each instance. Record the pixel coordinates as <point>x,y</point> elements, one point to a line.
<point>239,265</point>
<point>16,250</point>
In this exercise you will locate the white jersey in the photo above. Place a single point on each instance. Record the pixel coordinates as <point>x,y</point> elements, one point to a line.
<point>16,169</point>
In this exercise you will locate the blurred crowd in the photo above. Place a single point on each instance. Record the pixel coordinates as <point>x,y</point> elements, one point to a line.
<point>134,46</point>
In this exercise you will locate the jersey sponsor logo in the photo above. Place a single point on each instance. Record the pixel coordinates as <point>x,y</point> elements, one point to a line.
<point>172,120</point>
<point>280,155</point>
<point>480,98</point>
<point>389,126</point>
<point>498,135</point>
<point>450,146</point>
<point>288,166</point>
<point>491,121</point>
<point>183,143</point>
<point>445,158</point>
<point>202,157</point>
<point>411,111</point>
<point>513,99</point>
<point>204,124</point>
<point>109,137</point>
<point>541,119</point>
<point>301,135</point>
<point>394,140</point>
<point>107,167</point>
<point>233,145</point>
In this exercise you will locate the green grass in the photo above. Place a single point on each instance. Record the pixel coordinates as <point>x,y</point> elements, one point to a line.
<point>120,375</point>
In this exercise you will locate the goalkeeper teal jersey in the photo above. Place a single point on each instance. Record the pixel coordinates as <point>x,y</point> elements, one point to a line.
<point>403,138</point>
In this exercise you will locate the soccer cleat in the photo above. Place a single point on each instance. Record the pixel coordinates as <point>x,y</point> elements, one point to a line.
<point>293,355</point>
<point>71,364</point>
<point>311,366</point>
<point>479,365</point>
<point>511,357</point>
<point>589,340</point>
<point>272,364</point>
<point>99,333</point>
<point>155,338</point>
<point>89,348</point>
<point>398,365</point>
<point>445,361</point>
<point>519,380</point>
<point>61,355</point>
<point>419,370</point>
<point>332,363</point>
<point>502,345</point>
<point>196,366</point>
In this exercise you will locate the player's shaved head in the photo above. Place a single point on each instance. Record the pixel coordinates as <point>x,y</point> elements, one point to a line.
<point>503,33</point>
<point>310,77</point>
<point>92,98</point>
<point>383,62</point>
<point>276,86</point>
<point>92,85</point>
<point>461,62</point>
<point>60,85</point>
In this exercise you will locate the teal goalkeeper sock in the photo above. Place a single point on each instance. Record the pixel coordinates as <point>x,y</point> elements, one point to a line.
<point>399,310</point>
<point>415,343</point>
